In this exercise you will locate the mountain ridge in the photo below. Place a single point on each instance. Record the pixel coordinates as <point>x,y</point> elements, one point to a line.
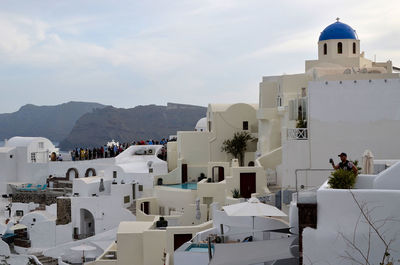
<point>126,125</point>
<point>53,122</point>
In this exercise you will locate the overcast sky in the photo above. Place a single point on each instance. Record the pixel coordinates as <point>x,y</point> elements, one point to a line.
<point>127,53</point>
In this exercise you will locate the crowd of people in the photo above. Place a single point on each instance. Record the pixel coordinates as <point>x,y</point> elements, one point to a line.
<point>113,149</point>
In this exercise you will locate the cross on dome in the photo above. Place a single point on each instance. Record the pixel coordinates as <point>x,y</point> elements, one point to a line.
<point>337,19</point>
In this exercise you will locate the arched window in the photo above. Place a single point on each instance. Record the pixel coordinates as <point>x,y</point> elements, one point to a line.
<point>354,48</point>
<point>340,48</point>
<point>325,49</point>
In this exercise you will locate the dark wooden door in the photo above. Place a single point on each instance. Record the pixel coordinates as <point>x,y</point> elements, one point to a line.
<point>221,175</point>
<point>180,239</point>
<point>133,191</point>
<point>184,173</point>
<point>145,207</point>
<point>247,184</point>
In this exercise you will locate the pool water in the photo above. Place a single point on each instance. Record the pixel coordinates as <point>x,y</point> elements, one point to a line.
<point>203,248</point>
<point>185,186</point>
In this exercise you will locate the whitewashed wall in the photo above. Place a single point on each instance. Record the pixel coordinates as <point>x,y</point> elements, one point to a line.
<point>338,214</point>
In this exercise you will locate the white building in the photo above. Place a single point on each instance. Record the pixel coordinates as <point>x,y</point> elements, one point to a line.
<point>24,159</point>
<point>343,102</point>
<point>356,225</point>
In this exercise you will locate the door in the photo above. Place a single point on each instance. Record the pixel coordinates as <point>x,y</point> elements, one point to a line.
<point>184,173</point>
<point>87,228</point>
<point>133,191</point>
<point>247,184</point>
<point>180,239</point>
<point>221,175</point>
<point>145,207</point>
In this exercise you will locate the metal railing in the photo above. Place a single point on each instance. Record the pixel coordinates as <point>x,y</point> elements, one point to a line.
<point>297,134</point>
<point>308,170</point>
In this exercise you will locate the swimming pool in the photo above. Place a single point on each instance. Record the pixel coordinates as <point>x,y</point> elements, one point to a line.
<point>185,186</point>
<point>199,248</point>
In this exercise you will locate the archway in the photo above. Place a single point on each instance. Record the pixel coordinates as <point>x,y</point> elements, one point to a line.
<point>90,170</point>
<point>69,172</point>
<point>87,228</point>
<point>218,173</point>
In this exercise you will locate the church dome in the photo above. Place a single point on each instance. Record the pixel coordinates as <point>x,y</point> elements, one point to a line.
<point>338,30</point>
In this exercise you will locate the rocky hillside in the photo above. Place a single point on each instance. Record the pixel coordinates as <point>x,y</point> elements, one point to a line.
<point>127,125</point>
<point>53,122</point>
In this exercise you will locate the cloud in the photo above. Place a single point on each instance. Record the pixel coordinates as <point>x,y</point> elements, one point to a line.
<point>193,51</point>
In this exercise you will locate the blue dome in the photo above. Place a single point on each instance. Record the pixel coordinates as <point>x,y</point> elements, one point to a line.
<point>338,30</point>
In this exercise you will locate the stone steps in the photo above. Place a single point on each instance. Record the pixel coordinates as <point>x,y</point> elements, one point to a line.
<point>45,260</point>
<point>132,207</point>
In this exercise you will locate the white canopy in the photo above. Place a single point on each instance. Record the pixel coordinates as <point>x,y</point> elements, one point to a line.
<point>252,207</point>
<point>368,162</point>
<point>83,247</point>
<point>18,227</point>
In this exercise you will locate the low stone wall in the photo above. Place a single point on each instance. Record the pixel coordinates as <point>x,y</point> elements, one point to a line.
<point>45,198</point>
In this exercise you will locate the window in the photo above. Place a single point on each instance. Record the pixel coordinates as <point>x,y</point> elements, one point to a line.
<point>41,145</point>
<point>278,101</point>
<point>354,48</point>
<point>114,174</point>
<point>209,126</point>
<point>340,48</point>
<point>126,199</point>
<point>303,92</point>
<point>19,213</point>
<point>245,125</point>
<point>325,49</point>
<point>33,157</point>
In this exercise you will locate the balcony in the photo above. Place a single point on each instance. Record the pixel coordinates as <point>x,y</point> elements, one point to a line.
<point>297,134</point>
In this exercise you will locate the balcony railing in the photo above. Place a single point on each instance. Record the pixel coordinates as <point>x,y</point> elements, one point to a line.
<point>297,134</point>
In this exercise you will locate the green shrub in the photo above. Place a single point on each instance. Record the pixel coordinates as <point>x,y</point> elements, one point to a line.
<point>342,179</point>
<point>235,193</point>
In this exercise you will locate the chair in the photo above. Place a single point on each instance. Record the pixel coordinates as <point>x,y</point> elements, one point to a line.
<point>27,188</point>
<point>248,239</point>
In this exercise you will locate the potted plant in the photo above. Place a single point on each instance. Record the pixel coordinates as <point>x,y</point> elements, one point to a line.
<point>342,179</point>
<point>235,193</point>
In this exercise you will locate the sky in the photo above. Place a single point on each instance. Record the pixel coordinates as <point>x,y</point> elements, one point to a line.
<point>128,53</point>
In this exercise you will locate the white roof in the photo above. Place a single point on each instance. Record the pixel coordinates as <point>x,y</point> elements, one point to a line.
<point>19,141</point>
<point>202,123</point>
<point>45,214</point>
<point>6,149</point>
<point>224,107</point>
<point>254,252</point>
<point>134,227</point>
<point>93,179</point>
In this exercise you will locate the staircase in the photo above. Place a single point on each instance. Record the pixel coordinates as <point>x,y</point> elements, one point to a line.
<point>132,207</point>
<point>45,260</point>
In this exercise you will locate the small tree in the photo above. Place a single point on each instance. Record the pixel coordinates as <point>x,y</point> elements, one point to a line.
<point>237,145</point>
<point>342,179</point>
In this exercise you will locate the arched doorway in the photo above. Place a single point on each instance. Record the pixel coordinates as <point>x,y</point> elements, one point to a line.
<point>69,172</point>
<point>87,228</point>
<point>90,172</point>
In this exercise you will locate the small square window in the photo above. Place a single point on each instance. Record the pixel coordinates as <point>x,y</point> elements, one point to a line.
<point>245,125</point>
<point>19,213</point>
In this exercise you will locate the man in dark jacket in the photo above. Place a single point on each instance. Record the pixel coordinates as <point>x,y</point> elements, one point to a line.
<point>344,164</point>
